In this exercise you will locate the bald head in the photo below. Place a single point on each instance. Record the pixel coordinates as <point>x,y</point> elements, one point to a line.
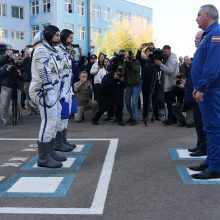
<point>198,38</point>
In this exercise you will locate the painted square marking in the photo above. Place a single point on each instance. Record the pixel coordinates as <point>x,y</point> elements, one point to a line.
<point>185,173</point>
<point>72,163</point>
<point>183,154</point>
<point>98,203</point>
<point>81,149</point>
<point>37,185</point>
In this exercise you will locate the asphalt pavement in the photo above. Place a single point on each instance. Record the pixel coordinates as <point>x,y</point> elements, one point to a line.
<point>121,173</point>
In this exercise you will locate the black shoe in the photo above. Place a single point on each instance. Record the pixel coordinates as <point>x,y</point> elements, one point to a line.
<point>198,153</point>
<point>206,174</point>
<point>193,149</point>
<point>95,122</point>
<point>133,122</point>
<point>157,119</point>
<point>201,167</point>
<point>121,123</point>
<point>167,122</point>
<point>129,120</point>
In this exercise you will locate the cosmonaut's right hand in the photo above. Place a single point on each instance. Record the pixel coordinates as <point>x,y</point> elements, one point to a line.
<point>50,98</point>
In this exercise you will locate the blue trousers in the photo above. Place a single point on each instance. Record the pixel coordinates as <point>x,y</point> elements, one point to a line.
<point>210,110</point>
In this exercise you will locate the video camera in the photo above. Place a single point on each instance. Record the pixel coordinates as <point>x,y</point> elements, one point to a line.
<point>156,54</point>
<point>16,63</point>
<point>117,58</point>
<point>180,77</point>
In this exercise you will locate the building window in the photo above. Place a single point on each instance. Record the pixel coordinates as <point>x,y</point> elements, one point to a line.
<point>35,30</point>
<point>96,31</point>
<point>80,7</point>
<point>68,6</point>
<point>81,33</point>
<point>17,35</point>
<point>69,26</point>
<point>17,12</point>
<point>127,16</point>
<point>106,13</point>
<point>3,9</point>
<point>46,5</point>
<point>35,7</point>
<point>96,11</point>
<point>45,25</point>
<point>3,34</point>
<point>119,15</point>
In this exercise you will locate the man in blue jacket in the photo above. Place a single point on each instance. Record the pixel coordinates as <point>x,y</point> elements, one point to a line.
<point>206,84</point>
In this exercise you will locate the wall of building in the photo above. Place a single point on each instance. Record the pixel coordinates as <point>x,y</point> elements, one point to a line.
<point>15,24</point>
<point>59,17</point>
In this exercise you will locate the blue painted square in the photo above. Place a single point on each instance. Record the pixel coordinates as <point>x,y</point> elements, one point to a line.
<point>175,156</point>
<point>86,149</point>
<point>187,179</point>
<point>61,190</point>
<point>75,166</point>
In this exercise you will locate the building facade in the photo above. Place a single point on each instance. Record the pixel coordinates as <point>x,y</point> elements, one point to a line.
<point>21,20</point>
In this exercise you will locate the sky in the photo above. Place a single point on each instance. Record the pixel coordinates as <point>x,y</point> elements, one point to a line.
<point>174,22</point>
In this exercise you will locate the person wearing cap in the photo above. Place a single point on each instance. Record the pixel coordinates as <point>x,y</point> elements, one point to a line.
<point>66,37</point>
<point>45,93</point>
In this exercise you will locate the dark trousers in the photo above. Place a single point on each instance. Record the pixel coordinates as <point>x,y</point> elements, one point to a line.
<point>146,87</point>
<point>96,88</point>
<point>169,100</point>
<point>105,100</point>
<point>201,140</point>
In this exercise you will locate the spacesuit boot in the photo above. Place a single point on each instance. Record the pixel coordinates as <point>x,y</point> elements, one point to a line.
<point>59,145</point>
<point>45,160</point>
<point>65,140</point>
<point>56,156</point>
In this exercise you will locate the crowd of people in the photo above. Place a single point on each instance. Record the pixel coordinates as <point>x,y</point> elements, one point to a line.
<point>105,85</point>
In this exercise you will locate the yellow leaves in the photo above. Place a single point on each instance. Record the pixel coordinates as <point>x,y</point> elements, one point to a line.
<point>128,34</point>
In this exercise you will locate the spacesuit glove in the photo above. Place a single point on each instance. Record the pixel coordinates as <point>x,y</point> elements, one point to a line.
<point>50,98</point>
<point>63,95</point>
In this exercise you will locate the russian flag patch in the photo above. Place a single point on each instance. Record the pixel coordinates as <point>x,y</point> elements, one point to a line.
<point>215,39</point>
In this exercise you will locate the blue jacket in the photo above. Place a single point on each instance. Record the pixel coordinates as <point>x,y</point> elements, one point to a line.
<point>205,70</point>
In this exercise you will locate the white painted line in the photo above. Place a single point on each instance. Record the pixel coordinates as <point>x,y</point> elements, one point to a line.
<point>18,159</point>
<point>29,150</point>
<point>2,177</point>
<point>79,148</point>
<point>184,153</point>
<point>98,203</point>
<point>70,139</point>
<point>36,185</point>
<point>33,145</point>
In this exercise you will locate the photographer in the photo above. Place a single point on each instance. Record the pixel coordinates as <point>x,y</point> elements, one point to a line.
<point>169,68</point>
<point>178,95</point>
<point>149,80</point>
<point>111,91</point>
<point>12,76</point>
<point>131,69</point>
<point>83,92</point>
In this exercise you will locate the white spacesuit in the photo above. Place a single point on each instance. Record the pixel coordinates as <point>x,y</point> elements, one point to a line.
<point>45,93</point>
<point>67,92</point>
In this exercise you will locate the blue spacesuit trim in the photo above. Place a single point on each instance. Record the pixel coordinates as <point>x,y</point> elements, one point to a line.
<point>45,123</point>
